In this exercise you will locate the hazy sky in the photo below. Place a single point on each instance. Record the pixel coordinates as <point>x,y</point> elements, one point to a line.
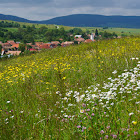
<point>46,9</point>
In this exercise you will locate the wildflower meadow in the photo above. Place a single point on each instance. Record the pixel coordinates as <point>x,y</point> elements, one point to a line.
<point>81,92</point>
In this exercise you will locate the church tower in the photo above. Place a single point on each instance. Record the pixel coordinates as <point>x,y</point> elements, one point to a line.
<point>92,37</point>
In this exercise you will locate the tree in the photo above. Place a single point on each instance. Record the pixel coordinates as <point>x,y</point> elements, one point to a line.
<point>24,26</point>
<point>1,34</point>
<point>0,48</point>
<point>96,32</point>
<point>22,47</point>
<point>29,47</point>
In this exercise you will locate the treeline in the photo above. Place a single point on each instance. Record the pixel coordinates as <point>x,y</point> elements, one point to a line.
<point>5,24</point>
<point>26,34</point>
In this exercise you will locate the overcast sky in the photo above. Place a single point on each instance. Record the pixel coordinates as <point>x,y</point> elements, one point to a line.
<point>47,9</point>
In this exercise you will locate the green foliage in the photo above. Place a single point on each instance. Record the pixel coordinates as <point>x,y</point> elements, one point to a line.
<point>106,34</point>
<point>21,47</point>
<point>96,32</point>
<point>9,24</point>
<point>0,48</point>
<point>29,47</point>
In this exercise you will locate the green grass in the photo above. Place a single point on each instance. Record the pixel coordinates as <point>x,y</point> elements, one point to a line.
<point>118,31</point>
<point>71,93</point>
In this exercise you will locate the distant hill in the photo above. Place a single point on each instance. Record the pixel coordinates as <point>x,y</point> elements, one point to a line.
<point>14,18</point>
<point>88,20</point>
<point>85,20</point>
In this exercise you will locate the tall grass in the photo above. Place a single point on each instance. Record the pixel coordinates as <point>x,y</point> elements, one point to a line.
<point>89,91</point>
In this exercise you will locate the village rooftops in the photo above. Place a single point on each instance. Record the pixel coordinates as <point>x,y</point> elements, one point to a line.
<point>15,46</point>
<point>6,45</point>
<point>67,43</point>
<point>47,46</point>
<point>13,52</point>
<point>88,41</point>
<point>39,43</point>
<point>12,42</point>
<point>32,49</point>
<point>55,42</point>
<point>80,39</point>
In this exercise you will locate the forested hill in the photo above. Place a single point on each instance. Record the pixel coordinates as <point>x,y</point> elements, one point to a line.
<point>85,20</point>
<point>14,18</point>
<point>96,21</point>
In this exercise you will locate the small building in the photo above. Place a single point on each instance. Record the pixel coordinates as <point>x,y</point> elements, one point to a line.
<point>67,43</point>
<point>13,52</point>
<point>12,42</point>
<point>29,44</point>
<point>78,36</point>
<point>32,50</point>
<point>47,46</point>
<point>6,46</point>
<point>79,40</point>
<point>39,43</point>
<point>88,41</point>
<point>15,46</point>
<point>55,42</point>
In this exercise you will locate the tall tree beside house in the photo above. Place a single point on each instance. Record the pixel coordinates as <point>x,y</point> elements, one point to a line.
<point>29,47</point>
<point>21,47</point>
<point>0,48</point>
<point>96,32</point>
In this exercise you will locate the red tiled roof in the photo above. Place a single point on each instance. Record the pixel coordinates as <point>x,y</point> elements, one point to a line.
<point>55,42</point>
<point>88,41</point>
<point>32,49</point>
<point>80,39</point>
<point>39,43</point>
<point>12,42</point>
<point>45,46</point>
<point>6,44</point>
<point>14,52</point>
<point>15,45</point>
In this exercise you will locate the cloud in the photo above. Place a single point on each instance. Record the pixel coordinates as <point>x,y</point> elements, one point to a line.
<point>46,9</point>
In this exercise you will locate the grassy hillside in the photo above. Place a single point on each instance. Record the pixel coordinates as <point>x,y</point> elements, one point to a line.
<point>118,31</point>
<point>89,91</point>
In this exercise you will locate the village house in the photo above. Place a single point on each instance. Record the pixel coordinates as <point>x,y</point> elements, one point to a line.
<point>13,52</point>
<point>78,36</point>
<point>79,40</point>
<point>32,49</point>
<point>29,44</point>
<point>88,41</point>
<point>15,46</point>
<point>39,43</point>
<point>55,42</point>
<point>12,42</point>
<point>35,47</point>
<point>47,46</point>
<point>6,46</point>
<point>67,43</point>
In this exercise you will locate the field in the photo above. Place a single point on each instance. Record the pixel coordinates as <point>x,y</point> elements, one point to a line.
<point>118,31</point>
<point>88,91</point>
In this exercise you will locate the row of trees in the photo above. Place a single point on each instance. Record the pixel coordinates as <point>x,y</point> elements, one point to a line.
<point>5,24</point>
<point>32,34</point>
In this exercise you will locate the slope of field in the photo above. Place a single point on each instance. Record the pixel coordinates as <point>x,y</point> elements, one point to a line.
<point>118,31</point>
<point>88,91</point>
